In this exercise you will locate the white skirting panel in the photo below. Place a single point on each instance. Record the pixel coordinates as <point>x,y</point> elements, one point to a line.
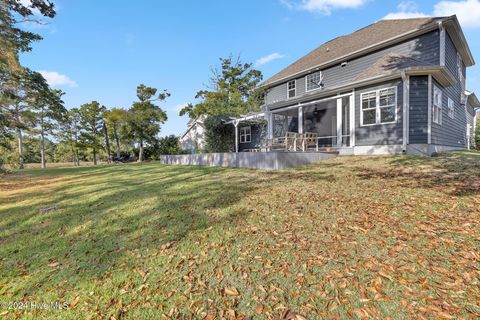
<point>253,160</point>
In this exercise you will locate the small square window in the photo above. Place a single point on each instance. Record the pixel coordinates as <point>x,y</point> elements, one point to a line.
<point>245,135</point>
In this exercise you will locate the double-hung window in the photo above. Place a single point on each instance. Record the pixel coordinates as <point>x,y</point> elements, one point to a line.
<point>292,89</point>
<point>245,134</point>
<point>314,80</point>
<point>379,107</point>
<point>451,108</point>
<point>437,105</point>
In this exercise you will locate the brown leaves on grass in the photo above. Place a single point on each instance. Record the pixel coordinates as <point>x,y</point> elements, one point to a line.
<point>343,239</point>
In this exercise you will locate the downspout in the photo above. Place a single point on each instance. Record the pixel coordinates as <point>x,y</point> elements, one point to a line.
<point>405,80</point>
<point>429,111</point>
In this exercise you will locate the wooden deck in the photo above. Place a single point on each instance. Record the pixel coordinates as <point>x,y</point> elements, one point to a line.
<point>253,160</point>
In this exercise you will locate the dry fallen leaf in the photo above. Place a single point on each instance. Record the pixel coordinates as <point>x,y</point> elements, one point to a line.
<point>231,291</point>
<point>259,308</point>
<point>74,303</point>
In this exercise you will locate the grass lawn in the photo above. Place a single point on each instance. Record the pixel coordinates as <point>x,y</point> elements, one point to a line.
<point>352,237</point>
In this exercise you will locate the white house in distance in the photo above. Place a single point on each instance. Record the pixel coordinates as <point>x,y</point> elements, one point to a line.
<point>194,137</point>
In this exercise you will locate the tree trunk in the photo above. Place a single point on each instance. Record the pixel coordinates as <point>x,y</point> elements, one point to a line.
<point>20,148</point>
<point>77,158</point>
<point>140,153</point>
<point>74,159</point>
<point>94,156</point>
<point>117,141</point>
<point>19,135</point>
<point>107,142</point>
<point>42,149</point>
<point>42,141</point>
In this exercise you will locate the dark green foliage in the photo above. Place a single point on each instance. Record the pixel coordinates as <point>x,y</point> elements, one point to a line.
<point>169,145</point>
<point>92,120</point>
<point>13,12</point>
<point>233,91</point>
<point>219,136</point>
<point>144,118</point>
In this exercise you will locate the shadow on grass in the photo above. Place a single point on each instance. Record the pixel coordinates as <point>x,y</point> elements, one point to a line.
<point>458,172</point>
<point>106,213</point>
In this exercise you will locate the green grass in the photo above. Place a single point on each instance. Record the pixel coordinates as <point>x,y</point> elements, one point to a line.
<point>351,237</point>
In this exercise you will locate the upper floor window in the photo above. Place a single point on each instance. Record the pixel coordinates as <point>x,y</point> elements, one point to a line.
<point>314,80</point>
<point>459,65</point>
<point>379,107</point>
<point>292,89</point>
<point>245,134</point>
<point>461,76</point>
<point>437,105</point>
<point>451,108</point>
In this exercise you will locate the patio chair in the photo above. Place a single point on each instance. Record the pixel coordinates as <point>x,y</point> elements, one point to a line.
<point>287,143</point>
<point>310,141</point>
<point>292,140</point>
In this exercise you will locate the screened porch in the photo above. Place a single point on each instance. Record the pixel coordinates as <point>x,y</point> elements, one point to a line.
<point>316,126</point>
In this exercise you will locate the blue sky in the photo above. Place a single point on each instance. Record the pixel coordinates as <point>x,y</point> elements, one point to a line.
<point>101,50</point>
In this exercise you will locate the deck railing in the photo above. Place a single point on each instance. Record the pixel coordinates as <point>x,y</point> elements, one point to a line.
<point>293,141</point>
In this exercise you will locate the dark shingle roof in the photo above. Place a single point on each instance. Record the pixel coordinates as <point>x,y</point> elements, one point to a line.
<point>371,35</point>
<point>390,63</point>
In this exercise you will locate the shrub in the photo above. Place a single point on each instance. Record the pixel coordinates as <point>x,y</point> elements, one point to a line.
<point>219,136</point>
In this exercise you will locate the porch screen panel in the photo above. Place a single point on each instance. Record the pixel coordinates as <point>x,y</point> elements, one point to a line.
<point>283,122</point>
<point>320,118</point>
<point>346,121</point>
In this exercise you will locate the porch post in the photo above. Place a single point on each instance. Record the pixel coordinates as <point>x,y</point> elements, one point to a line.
<point>300,119</point>
<point>235,123</point>
<point>270,125</point>
<point>339,122</point>
<point>352,119</point>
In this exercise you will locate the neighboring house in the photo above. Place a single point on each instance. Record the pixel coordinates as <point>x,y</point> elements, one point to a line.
<point>193,139</point>
<point>393,86</point>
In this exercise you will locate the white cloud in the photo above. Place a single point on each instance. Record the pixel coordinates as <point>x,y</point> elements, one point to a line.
<point>179,107</point>
<point>269,58</point>
<point>467,11</point>
<point>56,79</point>
<point>323,6</point>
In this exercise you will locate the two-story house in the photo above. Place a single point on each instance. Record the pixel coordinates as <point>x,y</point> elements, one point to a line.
<point>393,86</point>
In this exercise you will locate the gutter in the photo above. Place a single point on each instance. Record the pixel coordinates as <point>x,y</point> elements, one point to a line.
<point>446,80</point>
<point>405,79</point>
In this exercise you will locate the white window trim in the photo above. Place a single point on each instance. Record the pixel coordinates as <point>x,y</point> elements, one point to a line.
<point>434,105</point>
<point>459,66</point>
<point>295,88</point>
<point>377,107</point>
<point>249,135</point>
<point>306,81</point>
<point>451,108</point>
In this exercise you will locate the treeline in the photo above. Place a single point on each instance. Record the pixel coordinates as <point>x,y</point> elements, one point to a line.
<point>43,130</point>
<point>35,125</point>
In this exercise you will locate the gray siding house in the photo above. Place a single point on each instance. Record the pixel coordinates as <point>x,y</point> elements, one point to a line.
<point>393,86</point>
